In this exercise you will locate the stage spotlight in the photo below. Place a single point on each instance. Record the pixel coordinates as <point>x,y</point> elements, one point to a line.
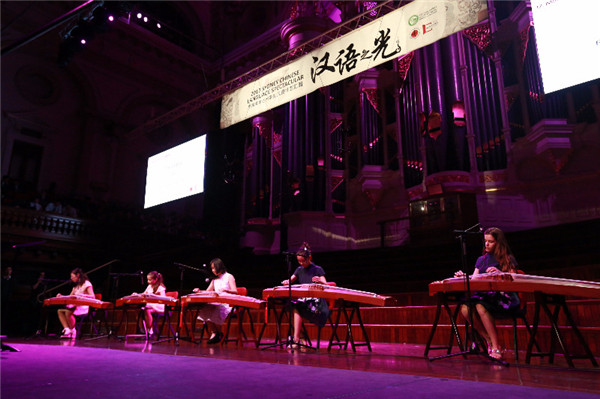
<point>145,19</point>
<point>158,25</point>
<point>96,21</point>
<point>139,15</point>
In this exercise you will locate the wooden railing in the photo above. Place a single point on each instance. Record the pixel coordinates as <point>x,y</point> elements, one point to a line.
<point>44,225</point>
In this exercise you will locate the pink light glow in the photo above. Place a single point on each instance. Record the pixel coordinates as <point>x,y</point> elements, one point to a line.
<point>372,143</point>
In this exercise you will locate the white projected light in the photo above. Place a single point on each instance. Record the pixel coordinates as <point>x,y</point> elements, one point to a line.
<point>176,173</point>
<point>567,33</point>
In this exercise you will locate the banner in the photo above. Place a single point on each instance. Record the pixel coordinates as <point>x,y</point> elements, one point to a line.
<point>399,32</point>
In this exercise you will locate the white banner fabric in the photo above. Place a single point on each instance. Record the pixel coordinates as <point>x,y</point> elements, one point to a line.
<point>406,29</point>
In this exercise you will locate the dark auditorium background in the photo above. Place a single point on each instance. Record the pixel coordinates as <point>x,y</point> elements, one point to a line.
<point>376,172</point>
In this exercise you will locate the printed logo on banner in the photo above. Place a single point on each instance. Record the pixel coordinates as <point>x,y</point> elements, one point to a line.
<point>428,27</point>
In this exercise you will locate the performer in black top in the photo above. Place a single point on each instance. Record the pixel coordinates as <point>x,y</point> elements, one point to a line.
<point>314,310</point>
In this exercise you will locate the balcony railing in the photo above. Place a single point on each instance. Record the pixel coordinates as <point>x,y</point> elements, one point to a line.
<point>31,223</point>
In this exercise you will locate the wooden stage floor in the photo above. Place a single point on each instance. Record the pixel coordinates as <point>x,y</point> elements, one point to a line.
<point>385,358</point>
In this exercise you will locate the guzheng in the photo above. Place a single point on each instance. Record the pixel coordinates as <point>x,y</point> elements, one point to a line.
<point>76,300</point>
<point>141,299</point>
<point>230,299</point>
<point>519,283</point>
<point>329,292</point>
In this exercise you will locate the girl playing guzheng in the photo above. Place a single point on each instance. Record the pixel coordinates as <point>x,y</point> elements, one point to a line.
<point>496,258</point>
<point>314,310</point>
<point>155,286</point>
<point>81,287</point>
<point>215,314</point>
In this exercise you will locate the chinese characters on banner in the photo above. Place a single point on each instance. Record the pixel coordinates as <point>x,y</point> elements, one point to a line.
<point>408,28</point>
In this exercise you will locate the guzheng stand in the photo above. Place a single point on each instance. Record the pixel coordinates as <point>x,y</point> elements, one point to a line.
<point>136,302</point>
<point>290,312</point>
<point>443,299</point>
<point>354,311</point>
<point>544,301</point>
<point>107,324</point>
<point>76,301</point>
<point>241,305</point>
<point>183,312</point>
<point>348,303</point>
<point>550,295</point>
<point>167,320</point>
<point>188,308</point>
<point>272,305</point>
<point>114,291</point>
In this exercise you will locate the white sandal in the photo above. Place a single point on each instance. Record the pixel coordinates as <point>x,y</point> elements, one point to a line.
<point>495,353</point>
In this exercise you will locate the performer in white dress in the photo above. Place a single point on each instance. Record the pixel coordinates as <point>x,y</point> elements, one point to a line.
<point>82,287</point>
<point>215,314</point>
<point>156,287</point>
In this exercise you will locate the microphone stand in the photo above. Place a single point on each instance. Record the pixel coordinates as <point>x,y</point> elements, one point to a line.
<point>113,297</point>
<point>289,341</point>
<point>473,342</point>
<point>182,268</point>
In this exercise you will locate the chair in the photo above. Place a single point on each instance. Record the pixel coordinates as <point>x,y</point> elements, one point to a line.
<point>166,317</point>
<point>515,315</point>
<point>238,312</point>
<point>90,317</point>
<point>518,314</point>
<point>332,308</point>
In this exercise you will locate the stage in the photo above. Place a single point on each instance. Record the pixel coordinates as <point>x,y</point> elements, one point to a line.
<point>111,368</point>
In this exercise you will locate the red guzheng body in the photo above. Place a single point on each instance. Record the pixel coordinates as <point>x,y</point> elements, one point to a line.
<point>140,299</point>
<point>230,299</point>
<point>330,293</point>
<point>76,301</point>
<point>519,283</point>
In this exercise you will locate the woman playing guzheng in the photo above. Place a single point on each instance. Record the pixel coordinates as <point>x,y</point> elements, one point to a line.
<point>496,258</point>
<point>314,310</point>
<point>215,314</point>
<point>81,287</point>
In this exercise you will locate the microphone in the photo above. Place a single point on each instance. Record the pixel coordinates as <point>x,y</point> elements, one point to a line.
<point>475,229</point>
<point>141,272</point>
<point>206,280</point>
<point>289,253</point>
